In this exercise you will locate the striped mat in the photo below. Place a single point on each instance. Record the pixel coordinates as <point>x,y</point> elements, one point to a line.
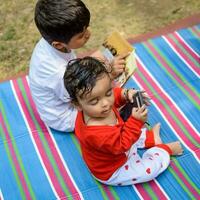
<point>39,163</point>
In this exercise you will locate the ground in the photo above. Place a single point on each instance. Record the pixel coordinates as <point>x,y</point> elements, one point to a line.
<point>18,33</point>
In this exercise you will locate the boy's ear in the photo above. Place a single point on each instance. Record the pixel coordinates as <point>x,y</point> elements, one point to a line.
<point>58,45</point>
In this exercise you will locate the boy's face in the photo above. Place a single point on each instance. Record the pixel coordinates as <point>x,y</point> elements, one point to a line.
<point>79,39</point>
<point>76,41</point>
<point>99,102</point>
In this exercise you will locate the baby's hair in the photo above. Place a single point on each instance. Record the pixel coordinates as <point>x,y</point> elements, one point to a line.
<point>60,20</point>
<point>81,75</point>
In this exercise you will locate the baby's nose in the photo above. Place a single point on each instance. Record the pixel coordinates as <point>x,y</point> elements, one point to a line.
<point>105,103</point>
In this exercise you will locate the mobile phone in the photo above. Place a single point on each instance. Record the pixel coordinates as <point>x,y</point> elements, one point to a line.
<point>139,99</point>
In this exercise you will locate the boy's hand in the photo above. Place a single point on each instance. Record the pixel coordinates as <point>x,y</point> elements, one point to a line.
<point>118,65</point>
<point>97,54</point>
<point>140,113</point>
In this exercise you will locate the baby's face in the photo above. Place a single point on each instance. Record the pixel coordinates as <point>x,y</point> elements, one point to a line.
<point>99,102</point>
<point>79,39</point>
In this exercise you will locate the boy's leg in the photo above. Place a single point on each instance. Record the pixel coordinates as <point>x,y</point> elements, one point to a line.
<point>137,170</point>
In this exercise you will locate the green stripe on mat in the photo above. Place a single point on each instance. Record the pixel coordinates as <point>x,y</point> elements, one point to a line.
<point>22,193</point>
<point>150,191</point>
<point>113,192</point>
<point>170,111</point>
<point>44,142</point>
<point>18,157</point>
<point>197,28</point>
<point>180,183</point>
<point>98,184</point>
<point>102,190</point>
<point>178,74</point>
<point>185,174</point>
<point>193,33</point>
<point>75,142</point>
<point>184,51</point>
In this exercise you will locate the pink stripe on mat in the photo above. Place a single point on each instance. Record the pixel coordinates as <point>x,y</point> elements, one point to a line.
<point>15,160</point>
<point>175,76</point>
<point>142,192</point>
<point>186,46</point>
<point>183,56</point>
<point>196,31</point>
<point>184,180</point>
<point>39,144</point>
<point>164,111</point>
<point>50,142</point>
<point>157,190</point>
<point>167,100</point>
<point>108,192</point>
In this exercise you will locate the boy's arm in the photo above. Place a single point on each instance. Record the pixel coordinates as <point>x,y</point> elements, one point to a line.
<point>117,64</point>
<point>97,54</point>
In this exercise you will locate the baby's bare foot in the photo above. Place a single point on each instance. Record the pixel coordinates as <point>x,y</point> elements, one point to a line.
<point>156,132</point>
<point>175,148</point>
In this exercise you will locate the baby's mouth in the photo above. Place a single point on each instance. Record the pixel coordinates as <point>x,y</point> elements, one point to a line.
<point>106,111</point>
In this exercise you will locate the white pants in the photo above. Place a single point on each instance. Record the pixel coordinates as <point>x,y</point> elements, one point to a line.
<point>140,169</point>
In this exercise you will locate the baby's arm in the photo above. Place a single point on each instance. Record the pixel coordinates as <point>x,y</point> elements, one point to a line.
<point>114,139</point>
<point>123,95</point>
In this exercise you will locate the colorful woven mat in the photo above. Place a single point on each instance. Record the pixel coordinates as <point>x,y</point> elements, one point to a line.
<point>44,164</point>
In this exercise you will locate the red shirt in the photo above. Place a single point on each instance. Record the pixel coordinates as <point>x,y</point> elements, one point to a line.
<point>103,147</point>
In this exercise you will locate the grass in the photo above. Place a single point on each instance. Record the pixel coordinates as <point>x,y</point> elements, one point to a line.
<point>18,34</point>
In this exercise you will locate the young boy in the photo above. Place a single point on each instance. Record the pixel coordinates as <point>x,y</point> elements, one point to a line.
<point>109,145</point>
<point>63,25</point>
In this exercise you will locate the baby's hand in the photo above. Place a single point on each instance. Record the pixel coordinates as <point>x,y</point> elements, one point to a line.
<point>118,65</point>
<point>130,93</point>
<point>140,113</point>
<point>146,98</point>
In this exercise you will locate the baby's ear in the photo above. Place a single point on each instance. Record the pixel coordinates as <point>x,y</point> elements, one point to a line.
<point>77,106</point>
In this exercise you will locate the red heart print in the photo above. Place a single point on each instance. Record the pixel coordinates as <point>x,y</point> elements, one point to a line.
<point>126,167</point>
<point>148,171</point>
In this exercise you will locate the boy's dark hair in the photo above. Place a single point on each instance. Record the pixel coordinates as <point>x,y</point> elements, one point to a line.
<point>81,75</point>
<point>60,20</point>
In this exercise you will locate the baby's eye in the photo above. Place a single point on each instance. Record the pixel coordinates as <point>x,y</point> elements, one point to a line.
<point>109,93</point>
<point>94,102</point>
